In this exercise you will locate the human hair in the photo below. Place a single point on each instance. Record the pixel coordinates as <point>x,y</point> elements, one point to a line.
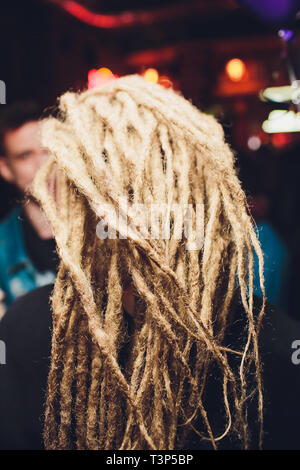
<point>112,386</point>
<point>15,115</point>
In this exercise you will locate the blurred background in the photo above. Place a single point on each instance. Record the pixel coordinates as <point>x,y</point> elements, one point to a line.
<point>224,55</point>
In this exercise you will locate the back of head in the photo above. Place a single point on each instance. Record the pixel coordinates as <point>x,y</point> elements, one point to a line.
<point>134,145</point>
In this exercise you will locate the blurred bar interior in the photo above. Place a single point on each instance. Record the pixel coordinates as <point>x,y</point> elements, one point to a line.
<point>238,60</point>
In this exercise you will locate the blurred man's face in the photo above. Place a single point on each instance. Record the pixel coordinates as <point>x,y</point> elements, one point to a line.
<point>24,155</point>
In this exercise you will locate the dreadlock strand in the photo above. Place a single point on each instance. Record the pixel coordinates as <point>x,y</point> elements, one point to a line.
<point>128,143</point>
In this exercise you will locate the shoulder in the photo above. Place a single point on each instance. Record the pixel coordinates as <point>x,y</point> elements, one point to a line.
<point>26,325</point>
<point>29,307</point>
<point>9,220</point>
<point>9,233</point>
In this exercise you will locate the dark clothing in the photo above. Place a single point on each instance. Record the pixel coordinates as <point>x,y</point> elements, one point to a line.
<point>26,330</point>
<point>41,252</point>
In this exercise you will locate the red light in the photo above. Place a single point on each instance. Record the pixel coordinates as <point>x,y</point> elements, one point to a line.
<point>93,19</point>
<point>165,81</point>
<point>281,139</point>
<point>97,78</point>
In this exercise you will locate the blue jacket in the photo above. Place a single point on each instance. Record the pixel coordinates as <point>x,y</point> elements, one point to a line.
<point>276,266</point>
<point>17,272</point>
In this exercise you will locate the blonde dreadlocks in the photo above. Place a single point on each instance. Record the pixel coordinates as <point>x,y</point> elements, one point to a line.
<point>141,142</point>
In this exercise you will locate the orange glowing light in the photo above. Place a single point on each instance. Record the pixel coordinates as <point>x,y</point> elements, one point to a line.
<point>151,75</point>
<point>105,72</point>
<point>97,78</point>
<point>235,69</point>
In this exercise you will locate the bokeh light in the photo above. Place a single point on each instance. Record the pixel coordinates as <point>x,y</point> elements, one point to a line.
<point>151,75</point>
<point>235,69</point>
<point>97,78</point>
<point>254,142</point>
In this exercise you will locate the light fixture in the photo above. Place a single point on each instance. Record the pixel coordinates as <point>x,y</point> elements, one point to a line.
<point>97,78</point>
<point>289,93</point>
<point>281,121</point>
<point>282,94</point>
<point>288,96</point>
<point>151,75</point>
<point>235,69</point>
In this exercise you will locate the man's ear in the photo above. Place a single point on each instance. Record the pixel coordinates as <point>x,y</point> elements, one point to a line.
<point>5,171</point>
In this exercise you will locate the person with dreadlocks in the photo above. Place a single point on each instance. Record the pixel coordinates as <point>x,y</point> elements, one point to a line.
<point>154,346</point>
